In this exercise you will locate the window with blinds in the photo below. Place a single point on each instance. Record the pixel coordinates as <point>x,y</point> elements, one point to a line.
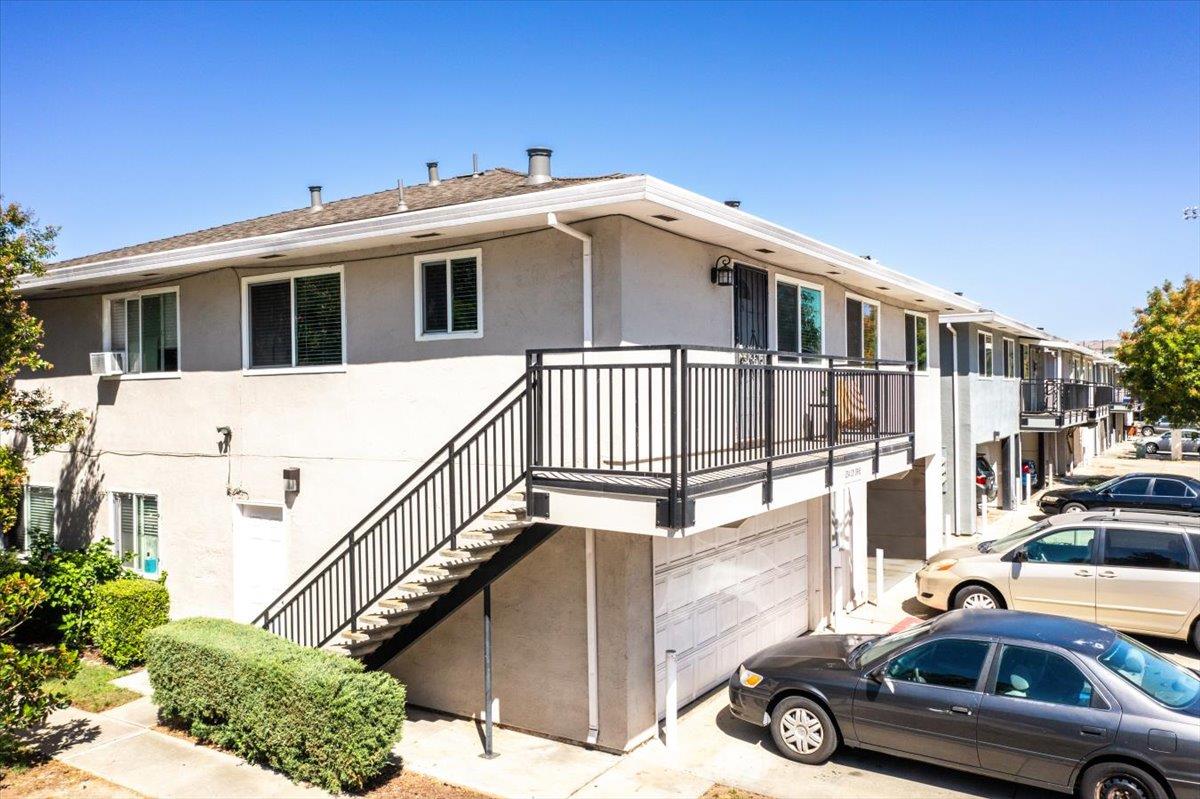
<point>144,327</point>
<point>295,321</point>
<point>38,516</point>
<point>449,294</point>
<point>136,525</point>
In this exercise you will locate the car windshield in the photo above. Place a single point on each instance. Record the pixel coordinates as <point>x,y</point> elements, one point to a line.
<point>1154,675</point>
<point>1012,538</point>
<point>1105,484</point>
<point>877,649</point>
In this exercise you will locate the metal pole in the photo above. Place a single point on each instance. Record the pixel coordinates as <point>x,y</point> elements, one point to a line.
<point>670,733</point>
<point>878,579</point>
<point>487,673</point>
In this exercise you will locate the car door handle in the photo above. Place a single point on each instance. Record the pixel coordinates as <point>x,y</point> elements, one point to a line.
<point>1083,573</point>
<point>1108,575</point>
<point>1096,732</point>
<point>965,711</point>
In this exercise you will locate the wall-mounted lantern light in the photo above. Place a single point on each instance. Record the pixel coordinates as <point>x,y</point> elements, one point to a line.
<point>722,272</point>
<point>291,480</point>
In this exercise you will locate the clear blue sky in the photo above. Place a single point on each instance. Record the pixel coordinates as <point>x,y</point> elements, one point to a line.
<point>1025,154</point>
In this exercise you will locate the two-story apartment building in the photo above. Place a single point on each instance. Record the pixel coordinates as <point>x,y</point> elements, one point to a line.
<point>640,418</point>
<point>1013,393</point>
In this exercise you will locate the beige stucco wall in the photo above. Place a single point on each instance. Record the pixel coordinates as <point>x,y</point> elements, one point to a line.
<point>356,433</point>
<point>539,644</point>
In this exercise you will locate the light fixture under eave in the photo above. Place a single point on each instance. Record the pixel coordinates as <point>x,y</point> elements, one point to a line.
<point>425,235</point>
<point>270,256</point>
<point>765,251</point>
<point>722,272</point>
<point>665,218</point>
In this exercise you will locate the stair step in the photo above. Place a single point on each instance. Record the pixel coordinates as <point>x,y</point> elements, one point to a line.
<point>516,496</point>
<point>486,541</point>
<point>357,649</point>
<point>392,605</point>
<point>372,623</point>
<point>501,514</point>
<point>493,527</point>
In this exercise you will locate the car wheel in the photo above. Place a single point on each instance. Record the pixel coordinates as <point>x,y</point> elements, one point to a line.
<point>803,731</point>
<point>1119,781</point>
<point>1151,448</point>
<point>977,597</point>
<point>1196,635</point>
<point>1147,430</point>
<point>1073,507</point>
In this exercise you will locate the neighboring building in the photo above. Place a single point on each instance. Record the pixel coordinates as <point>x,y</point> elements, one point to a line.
<point>1013,393</point>
<point>701,409</point>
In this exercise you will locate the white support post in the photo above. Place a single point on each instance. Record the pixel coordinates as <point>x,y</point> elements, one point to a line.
<point>1026,479</point>
<point>670,732</point>
<point>878,580</point>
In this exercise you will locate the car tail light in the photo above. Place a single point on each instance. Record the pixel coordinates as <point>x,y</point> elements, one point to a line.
<point>1025,469</point>
<point>980,480</point>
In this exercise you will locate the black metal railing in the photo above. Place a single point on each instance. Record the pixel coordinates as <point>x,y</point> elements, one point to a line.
<point>678,419</point>
<point>479,465</point>
<point>1103,395</point>
<point>671,420</point>
<point>1055,396</point>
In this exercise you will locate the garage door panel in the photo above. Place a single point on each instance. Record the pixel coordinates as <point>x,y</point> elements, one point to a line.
<point>725,594</point>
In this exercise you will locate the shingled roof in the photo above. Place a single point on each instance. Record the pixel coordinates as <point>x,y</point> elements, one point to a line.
<point>488,185</point>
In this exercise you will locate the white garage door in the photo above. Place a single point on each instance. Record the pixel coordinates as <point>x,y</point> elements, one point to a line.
<point>722,595</point>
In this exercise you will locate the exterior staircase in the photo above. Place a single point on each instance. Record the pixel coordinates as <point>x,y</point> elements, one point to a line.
<point>452,527</point>
<point>433,580</point>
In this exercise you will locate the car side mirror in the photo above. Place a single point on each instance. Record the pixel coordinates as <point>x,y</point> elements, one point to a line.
<point>876,675</point>
<point>1020,556</point>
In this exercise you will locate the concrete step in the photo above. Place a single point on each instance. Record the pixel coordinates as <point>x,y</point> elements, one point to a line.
<point>485,541</point>
<point>506,514</point>
<point>375,623</point>
<point>452,560</point>
<point>392,605</point>
<point>516,496</point>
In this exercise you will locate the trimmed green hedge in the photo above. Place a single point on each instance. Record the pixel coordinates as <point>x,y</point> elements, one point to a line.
<point>313,715</point>
<point>124,611</point>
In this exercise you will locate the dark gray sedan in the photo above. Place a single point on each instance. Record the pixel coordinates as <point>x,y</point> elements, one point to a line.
<point>1043,700</point>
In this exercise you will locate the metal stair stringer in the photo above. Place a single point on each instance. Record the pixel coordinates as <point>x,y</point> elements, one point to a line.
<point>509,555</point>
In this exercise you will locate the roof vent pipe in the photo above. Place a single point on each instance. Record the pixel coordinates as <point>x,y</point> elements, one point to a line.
<point>734,203</point>
<point>433,173</point>
<point>314,196</point>
<point>539,165</point>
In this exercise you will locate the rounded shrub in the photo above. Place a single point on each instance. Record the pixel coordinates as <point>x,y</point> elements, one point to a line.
<point>313,715</point>
<point>124,611</point>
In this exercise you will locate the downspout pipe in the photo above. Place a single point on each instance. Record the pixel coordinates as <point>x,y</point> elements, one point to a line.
<point>954,420</point>
<point>552,221</point>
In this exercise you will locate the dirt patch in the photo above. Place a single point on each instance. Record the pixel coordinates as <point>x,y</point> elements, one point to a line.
<point>52,779</point>
<point>725,792</point>
<point>410,785</point>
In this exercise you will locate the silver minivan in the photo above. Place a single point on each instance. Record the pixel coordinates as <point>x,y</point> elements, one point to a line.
<point>1137,571</point>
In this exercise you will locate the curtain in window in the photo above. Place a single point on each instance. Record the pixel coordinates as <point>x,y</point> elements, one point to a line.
<point>148,538</point>
<point>126,526</point>
<point>271,324</point>
<point>117,341</point>
<point>786,308</point>
<point>811,324</point>
<point>133,321</point>
<point>854,328</point>
<point>319,320</point>
<point>465,295</point>
<point>137,530</point>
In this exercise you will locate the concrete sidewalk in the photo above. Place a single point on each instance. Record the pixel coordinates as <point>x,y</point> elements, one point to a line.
<point>121,746</point>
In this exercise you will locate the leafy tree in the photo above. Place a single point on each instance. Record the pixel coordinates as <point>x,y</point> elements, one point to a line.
<point>24,700</point>
<point>27,418</point>
<point>1162,356</point>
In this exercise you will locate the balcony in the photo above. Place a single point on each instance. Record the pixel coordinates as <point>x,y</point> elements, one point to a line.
<point>664,428</point>
<point>1055,404</point>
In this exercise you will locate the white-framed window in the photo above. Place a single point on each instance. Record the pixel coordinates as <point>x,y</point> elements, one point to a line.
<point>448,291</point>
<point>37,513</point>
<point>1026,362</point>
<point>916,339</point>
<point>862,328</point>
<point>144,327</point>
<point>135,521</point>
<point>1010,358</point>
<point>799,316</point>
<point>294,321</point>
<point>987,355</point>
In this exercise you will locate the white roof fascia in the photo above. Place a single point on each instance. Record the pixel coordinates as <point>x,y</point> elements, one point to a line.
<point>996,319</point>
<point>736,219</point>
<point>586,196</point>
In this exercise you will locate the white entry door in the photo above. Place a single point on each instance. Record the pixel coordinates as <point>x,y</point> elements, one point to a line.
<point>259,558</point>
<point>724,594</point>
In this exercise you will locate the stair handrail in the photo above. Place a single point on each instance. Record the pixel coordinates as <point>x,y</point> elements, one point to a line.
<point>344,544</point>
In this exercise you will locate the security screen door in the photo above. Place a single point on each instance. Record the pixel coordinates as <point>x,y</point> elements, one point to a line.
<point>750,333</point>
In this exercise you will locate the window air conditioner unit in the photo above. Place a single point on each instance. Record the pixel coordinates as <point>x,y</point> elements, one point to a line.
<point>108,364</point>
